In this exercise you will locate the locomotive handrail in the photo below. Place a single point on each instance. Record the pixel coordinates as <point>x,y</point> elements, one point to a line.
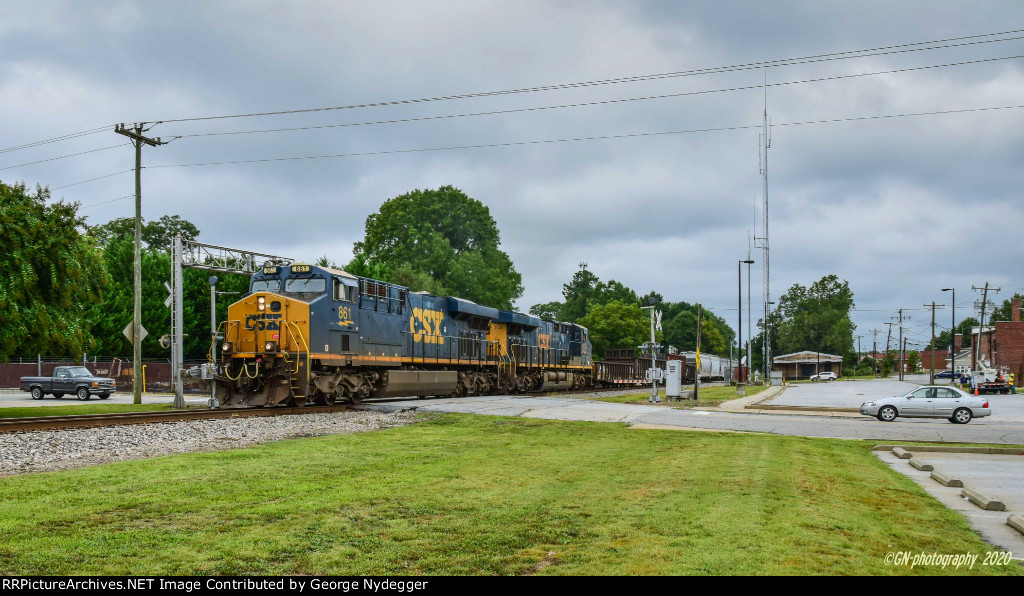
<point>289,326</point>
<point>213,342</point>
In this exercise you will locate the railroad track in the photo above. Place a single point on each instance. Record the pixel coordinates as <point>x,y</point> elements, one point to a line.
<point>95,420</point>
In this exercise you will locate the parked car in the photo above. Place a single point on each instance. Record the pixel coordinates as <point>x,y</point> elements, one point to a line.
<point>825,376</point>
<point>946,374</point>
<point>930,401</point>
<point>69,379</point>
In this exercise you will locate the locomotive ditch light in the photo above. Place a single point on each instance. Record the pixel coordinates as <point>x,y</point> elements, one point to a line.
<point>226,347</point>
<point>271,346</point>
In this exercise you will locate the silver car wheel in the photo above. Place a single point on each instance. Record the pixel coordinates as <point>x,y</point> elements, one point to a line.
<point>962,416</point>
<point>887,414</point>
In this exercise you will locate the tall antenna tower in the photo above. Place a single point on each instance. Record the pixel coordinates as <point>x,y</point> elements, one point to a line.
<point>765,142</point>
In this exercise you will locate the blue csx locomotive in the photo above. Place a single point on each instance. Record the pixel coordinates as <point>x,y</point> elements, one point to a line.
<point>313,335</point>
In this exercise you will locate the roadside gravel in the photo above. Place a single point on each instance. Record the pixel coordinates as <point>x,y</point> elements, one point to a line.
<point>43,451</point>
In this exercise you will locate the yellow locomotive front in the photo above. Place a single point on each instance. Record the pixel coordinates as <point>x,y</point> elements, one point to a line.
<point>263,359</point>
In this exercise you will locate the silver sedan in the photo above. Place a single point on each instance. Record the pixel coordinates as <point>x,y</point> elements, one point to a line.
<point>931,401</point>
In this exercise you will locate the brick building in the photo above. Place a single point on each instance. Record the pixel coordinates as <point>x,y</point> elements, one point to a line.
<point>1007,344</point>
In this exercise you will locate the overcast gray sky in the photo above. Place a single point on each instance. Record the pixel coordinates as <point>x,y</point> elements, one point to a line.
<point>899,207</point>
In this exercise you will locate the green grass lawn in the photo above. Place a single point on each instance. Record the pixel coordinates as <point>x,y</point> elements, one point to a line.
<point>707,396</point>
<point>30,411</point>
<point>461,494</point>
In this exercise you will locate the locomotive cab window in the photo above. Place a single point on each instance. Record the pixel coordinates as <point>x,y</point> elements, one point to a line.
<point>265,285</point>
<point>343,292</point>
<point>305,285</point>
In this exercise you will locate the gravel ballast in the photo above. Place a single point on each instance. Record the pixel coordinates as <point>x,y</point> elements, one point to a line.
<point>43,451</point>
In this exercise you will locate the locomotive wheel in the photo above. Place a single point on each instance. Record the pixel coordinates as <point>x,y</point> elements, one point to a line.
<point>328,399</point>
<point>355,398</point>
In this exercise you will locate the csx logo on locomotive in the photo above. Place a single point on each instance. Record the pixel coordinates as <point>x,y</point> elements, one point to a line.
<point>425,325</point>
<point>262,322</point>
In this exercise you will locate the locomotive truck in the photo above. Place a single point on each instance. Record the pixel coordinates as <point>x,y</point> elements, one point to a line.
<point>306,334</point>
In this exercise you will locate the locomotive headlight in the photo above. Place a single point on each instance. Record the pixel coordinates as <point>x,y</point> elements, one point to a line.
<point>271,346</point>
<point>262,302</point>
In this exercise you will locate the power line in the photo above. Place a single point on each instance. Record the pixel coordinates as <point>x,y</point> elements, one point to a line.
<point>577,139</point>
<point>105,202</point>
<point>591,103</point>
<point>878,51</point>
<point>639,78</point>
<point>83,133</point>
<point>63,157</point>
<point>91,179</point>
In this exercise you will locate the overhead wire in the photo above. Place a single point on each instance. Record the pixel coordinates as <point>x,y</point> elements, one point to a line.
<point>64,156</point>
<point>637,78</point>
<point>882,50</point>
<point>579,139</point>
<point>591,103</point>
<point>83,133</point>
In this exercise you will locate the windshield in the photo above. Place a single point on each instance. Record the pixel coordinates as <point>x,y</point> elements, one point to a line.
<point>266,285</point>
<point>79,371</point>
<point>296,285</point>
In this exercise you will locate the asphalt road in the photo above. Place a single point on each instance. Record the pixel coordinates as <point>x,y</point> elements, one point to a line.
<point>1000,428</point>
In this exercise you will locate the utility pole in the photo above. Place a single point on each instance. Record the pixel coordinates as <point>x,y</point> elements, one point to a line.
<point>903,353</point>
<point>952,338</point>
<point>858,356</point>
<point>696,372</point>
<point>135,134</point>
<point>981,325</point>
<point>874,351</point>
<point>931,375</point>
<point>902,344</point>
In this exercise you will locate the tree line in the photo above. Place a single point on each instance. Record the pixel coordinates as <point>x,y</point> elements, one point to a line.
<point>67,286</point>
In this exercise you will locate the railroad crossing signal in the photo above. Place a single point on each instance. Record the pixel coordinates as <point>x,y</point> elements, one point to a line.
<point>170,295</point>
<point>657,319</point>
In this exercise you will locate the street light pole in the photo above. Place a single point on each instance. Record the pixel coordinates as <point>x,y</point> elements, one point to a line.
<point>952,338</point>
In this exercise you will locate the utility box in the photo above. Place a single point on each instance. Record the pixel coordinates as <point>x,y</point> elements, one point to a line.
<point>674,379</point>
<point>655,374</point>
<point>776,378</point>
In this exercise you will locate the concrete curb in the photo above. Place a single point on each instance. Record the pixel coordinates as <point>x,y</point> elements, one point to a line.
<point>946,449</point>
<point>983,501</point>
<point>946,480</point>
<point>920,465</point>
<point>803,408</point>
<point>1016,522</point>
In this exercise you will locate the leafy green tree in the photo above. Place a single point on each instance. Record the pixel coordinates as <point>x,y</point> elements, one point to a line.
<point>49,274</point>
<point>942,340</point>
<point>815,318</point>
<point>448,236</point>
<point>1003,312</point>
<point>549,311</point>
<point>888,363</point>
<point>365,267</point>
<point>616,325</point>
<point>913,361</point>
<point>579,293</point>
<point>157,235</point>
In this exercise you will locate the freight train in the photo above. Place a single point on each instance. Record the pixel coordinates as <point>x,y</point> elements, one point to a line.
<point>622,367</point>
<point>306,334</point>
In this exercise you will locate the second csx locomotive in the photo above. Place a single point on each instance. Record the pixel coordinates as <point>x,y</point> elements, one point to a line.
<point>307,334</point>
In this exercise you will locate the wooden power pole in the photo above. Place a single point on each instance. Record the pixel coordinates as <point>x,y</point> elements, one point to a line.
<point>137,333</point>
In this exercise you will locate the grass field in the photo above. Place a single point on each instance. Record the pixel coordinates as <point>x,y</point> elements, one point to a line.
<point>707,396</point>
<point>32,411</point>
<point>459,494</point>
